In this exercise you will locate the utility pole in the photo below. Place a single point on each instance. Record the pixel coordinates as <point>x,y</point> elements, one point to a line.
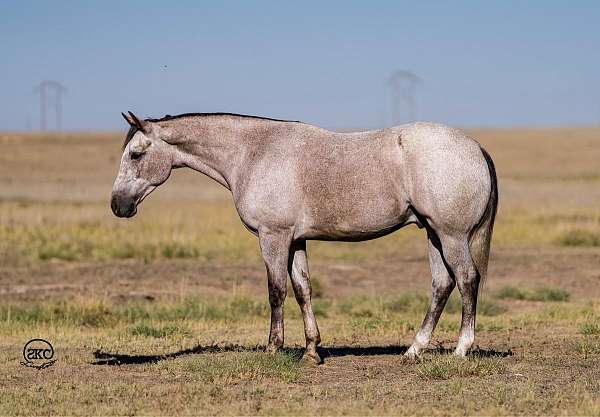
<point>51,93</point>
<point>403,84</point>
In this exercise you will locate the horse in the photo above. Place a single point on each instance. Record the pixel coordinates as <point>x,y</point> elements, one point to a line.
<point>292,182</point>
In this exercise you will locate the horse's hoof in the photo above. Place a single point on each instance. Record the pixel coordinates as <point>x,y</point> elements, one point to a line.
<point>312,359</point>
<point>412,353</point>
<point>460,353</point>
<point>272,348</point>
<point>410,359</point>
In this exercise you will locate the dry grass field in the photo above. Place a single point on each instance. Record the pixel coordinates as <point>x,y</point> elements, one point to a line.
<point>167,312</point>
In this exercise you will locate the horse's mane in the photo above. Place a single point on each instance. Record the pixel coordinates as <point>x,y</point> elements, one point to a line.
<point>132,130</point>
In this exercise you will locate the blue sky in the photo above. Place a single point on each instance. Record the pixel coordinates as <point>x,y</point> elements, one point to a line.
<point>504,63</point>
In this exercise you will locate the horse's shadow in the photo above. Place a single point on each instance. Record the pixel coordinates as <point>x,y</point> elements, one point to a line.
<point>112,359</point>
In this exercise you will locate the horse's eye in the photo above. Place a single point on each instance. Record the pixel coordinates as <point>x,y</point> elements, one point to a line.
<point>136,155</point>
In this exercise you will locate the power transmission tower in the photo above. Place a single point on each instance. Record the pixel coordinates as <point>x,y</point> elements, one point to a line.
<point>51,93</point>
<point>403,84</point>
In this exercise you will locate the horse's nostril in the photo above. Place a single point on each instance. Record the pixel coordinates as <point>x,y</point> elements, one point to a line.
<point>122,205</point>
<point>119,205</point>
<point>114,205</point>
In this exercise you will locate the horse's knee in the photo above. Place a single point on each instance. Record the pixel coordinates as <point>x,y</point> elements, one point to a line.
<point>442,286</point>
<point>468,282</point>
<point>277,296</point>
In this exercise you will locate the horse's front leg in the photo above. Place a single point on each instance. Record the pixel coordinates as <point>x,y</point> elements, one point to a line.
<point>275,248</point>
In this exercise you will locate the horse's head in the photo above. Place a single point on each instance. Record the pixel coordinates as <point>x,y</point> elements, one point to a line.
<point>146,163</point>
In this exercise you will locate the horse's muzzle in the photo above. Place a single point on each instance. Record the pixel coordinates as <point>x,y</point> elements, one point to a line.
<point>123,206</point>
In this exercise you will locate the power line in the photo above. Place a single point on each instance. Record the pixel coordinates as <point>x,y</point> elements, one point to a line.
<point>51,93</point>
<point>402,84</point>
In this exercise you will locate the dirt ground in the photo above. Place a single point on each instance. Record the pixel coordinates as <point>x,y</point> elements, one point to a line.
<point>115,296</point>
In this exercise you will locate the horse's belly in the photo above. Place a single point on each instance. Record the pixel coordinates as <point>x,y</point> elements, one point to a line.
<point>360,221</point>
<point>348,235</point>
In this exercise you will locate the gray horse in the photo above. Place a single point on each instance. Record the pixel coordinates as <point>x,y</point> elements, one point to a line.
<point>292,182</point>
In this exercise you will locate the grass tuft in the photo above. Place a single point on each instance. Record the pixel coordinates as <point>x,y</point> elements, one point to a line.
<point>589,328</point>
<point>182,250</point>
<point>317,290</point>
<point>321,307</point>
<point>549,294</point>
<point>408,302</point>
<point>535,294</point>
<point>442,367</point>
<point>157,332</point>
<point>588,346</point>
<point>250,366</point>
<point>579,237</point>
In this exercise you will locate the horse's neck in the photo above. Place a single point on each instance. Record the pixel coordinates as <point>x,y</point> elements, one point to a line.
<point>216,149</point>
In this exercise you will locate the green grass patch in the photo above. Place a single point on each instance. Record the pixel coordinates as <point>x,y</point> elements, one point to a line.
<point>409,302</point>
<point>246,366</point>
<point>588,346</point>
<point>92,313</point>
<point>147,330</point>
<point>104,313</point>
<point>417,303</point>
<point>589,328</point>
<point>180,250</point>
<point>317,290</point>
<point>442,367</point>
<point>533,294</point>
<point>232,309</point>
<point>321,307</point>
<point>558,313</point>
<point>579,237</point>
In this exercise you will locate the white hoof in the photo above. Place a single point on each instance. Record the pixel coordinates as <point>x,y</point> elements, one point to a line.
<point>413,352</point>
<point>461,352</point>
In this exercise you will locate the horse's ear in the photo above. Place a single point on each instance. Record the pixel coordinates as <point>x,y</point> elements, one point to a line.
<point>140,124</point>
<point>128,119</point>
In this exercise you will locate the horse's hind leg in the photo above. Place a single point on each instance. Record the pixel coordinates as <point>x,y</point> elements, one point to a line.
<point>458,258</point>
<point>442,285</point>
<point>298,270</point>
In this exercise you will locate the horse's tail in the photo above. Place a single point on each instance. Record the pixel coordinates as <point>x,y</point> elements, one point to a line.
<point>481,236</point>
